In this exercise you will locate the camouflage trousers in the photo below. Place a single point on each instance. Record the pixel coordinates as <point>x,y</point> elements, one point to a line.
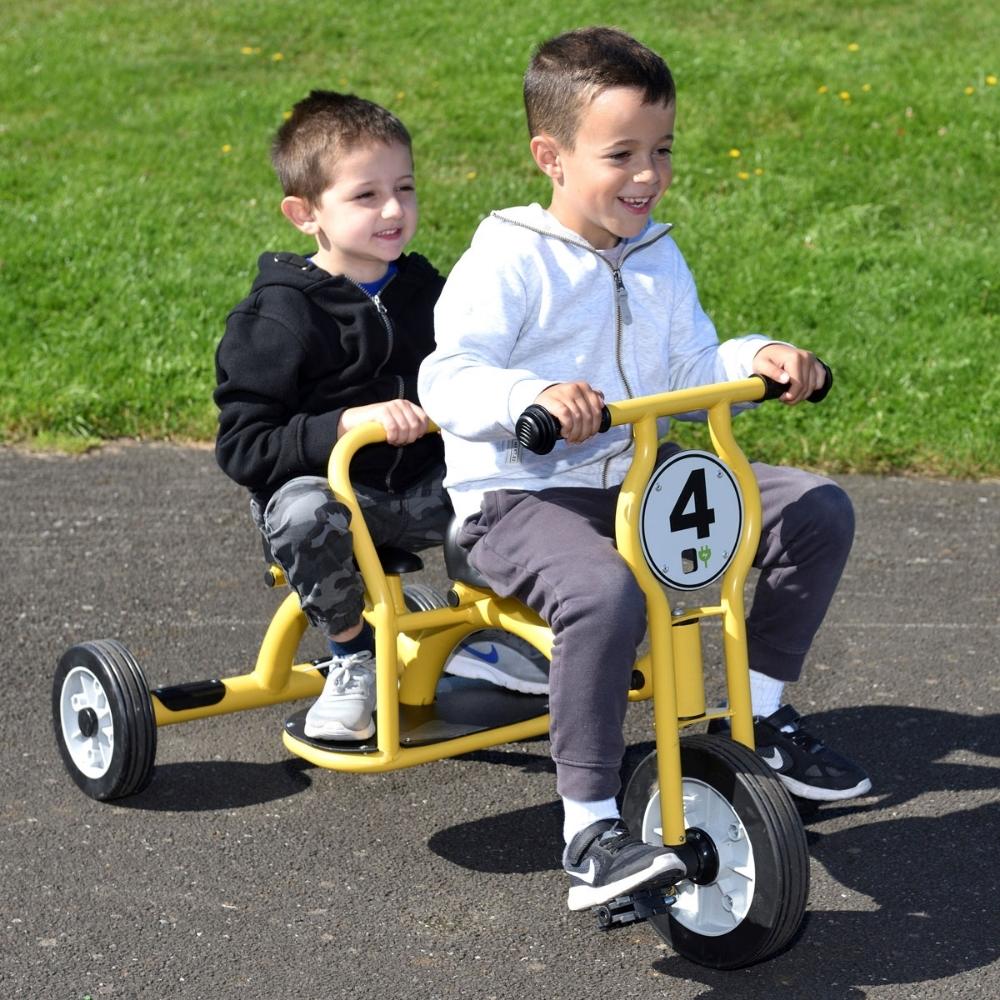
<point>306,532</point>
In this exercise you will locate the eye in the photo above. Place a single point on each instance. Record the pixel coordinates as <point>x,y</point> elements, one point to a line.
<point>620,157</point>
<point>406,187</point>
<point>364,195</point>
<point>664,152</point>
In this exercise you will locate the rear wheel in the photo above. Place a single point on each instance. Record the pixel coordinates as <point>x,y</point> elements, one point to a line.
<point>420,597</point>
<point>748,899</point>
<point>103,719</point>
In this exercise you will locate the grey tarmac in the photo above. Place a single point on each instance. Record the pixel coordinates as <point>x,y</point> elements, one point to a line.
<point>243,872</point>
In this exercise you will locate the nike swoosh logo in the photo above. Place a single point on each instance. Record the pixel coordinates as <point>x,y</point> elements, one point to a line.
<point>589,875</point>
<point>772,758</point>
<point>493,656</point>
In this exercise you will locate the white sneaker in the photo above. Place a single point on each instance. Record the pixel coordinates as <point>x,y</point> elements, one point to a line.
<point>344,710</point>
<point>502,659</point>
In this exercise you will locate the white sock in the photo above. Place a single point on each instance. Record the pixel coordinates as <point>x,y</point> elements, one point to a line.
<point>578,816</point>
<point>765,694</point>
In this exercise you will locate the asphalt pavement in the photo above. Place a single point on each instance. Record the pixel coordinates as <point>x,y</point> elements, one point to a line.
<point>243,872</point>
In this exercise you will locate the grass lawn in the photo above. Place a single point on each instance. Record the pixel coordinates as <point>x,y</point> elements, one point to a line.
<point>835,183</point>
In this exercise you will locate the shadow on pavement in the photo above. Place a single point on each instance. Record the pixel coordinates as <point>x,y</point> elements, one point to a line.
<point>206,786</point>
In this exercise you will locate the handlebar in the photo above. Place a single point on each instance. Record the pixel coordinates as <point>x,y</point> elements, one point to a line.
<point>537,430</point>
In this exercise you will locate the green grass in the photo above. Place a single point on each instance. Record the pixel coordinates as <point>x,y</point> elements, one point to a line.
<point>136,195</point>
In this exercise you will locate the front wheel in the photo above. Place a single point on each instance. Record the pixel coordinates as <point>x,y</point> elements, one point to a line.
<point>748,899</point>
<point>103,719</point>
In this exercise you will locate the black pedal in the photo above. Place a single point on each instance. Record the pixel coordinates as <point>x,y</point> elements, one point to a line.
<point>634,908</point>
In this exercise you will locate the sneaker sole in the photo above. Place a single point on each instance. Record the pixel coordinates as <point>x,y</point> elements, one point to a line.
<point>815,794</point>
<point>335,732</point>
<point>665,870</point>
<point>486,672</point>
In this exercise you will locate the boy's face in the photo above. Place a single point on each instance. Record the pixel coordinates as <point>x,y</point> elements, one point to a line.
<point>607,186</point>
<point>366,217</point>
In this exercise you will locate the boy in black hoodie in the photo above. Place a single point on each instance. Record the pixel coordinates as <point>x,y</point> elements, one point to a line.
<point>324,343</point>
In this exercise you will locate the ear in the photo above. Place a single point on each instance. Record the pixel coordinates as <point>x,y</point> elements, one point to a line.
<point>545,152</point>
<point>300,214</point>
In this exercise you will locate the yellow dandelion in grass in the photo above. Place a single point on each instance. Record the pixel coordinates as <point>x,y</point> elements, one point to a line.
<point>854,47</point>
<point>844,95</point>
<point>866,87</point>
<point>276,56</point>
<point>471,175</point>
<point>822,89</point>
<point>226,149</point>
<point>991,80</point>
<point>759,171</point>
<point>247,50</point>
<point>400,94</point>
<point>735,153</point>
<point>743,175</point>
<point>286,115</point>
<point>970,90</point>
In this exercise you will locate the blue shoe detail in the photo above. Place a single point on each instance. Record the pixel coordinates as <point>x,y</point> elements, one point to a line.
<point>493,656</point>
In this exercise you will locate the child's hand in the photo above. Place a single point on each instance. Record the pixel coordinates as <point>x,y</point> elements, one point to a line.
<point>403,421</point>
<point>577,406</point>
<point>800,370</point>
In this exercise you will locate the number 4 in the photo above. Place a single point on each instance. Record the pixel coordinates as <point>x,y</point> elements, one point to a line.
<point>695,495</point>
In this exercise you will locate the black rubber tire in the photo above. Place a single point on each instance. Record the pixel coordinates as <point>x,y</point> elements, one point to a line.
<point>716,768</point>
<point>111,718</point>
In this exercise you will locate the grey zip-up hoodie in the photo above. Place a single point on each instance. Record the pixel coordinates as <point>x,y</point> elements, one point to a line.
<point>531,303</point>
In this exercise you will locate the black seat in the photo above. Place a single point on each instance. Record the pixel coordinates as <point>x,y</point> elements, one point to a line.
<point>456,559</point>
<point>397,560</point>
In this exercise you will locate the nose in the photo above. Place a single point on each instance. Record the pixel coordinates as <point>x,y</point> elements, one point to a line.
<point>647,174</point>
<point>392,209</point>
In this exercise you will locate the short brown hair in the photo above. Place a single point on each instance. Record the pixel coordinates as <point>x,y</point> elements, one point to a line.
<point>320,129</point>
<point>570,70</point>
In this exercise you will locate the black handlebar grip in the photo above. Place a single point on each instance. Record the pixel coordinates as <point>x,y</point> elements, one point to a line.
<point>821,393</point>
<point>537,430</point>
<point>773,389</point>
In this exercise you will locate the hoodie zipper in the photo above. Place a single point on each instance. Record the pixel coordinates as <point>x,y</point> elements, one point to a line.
<point>390,332</point>
<point>623,314</point>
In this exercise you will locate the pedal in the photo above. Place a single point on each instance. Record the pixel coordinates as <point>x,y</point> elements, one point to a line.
<point>633,908</point>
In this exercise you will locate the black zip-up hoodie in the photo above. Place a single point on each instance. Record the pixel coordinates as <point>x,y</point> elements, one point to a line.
<point>304,346</point>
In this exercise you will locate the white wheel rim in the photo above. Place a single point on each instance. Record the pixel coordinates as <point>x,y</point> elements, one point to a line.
<point>91,755</point>
<point>720,906</point>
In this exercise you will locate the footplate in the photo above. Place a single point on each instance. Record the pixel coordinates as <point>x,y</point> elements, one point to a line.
<point>637,906</point>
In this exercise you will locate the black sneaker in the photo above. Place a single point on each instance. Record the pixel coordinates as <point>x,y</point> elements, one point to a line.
<point>807,767</point>
<point>605,861</point>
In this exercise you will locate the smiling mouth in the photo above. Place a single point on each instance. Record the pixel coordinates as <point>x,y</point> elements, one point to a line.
<point>389,234</point>
<point>636,204</point>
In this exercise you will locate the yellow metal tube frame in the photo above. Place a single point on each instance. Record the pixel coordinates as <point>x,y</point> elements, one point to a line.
<point>642,414</point>
<point>411,647</point>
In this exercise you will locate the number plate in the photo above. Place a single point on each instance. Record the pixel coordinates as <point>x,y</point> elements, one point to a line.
<point>690,520</point>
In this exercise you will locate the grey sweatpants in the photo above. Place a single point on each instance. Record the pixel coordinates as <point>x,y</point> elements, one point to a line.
<point>307,533</point>
<point>554,550</point>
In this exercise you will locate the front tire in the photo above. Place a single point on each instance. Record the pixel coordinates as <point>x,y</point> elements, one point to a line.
<point>749,901</point>
<point>103,719</point>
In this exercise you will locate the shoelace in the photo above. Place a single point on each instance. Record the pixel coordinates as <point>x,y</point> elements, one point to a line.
<point>348,677</point>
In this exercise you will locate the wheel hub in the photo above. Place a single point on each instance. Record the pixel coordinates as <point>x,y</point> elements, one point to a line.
<point>87,722</point>
<point>705,858</point>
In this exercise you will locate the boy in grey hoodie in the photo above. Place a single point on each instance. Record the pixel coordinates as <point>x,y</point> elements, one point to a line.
<point>562,307</point>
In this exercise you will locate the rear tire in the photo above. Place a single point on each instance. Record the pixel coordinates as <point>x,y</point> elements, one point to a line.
<point>751,904</point>
<point>103,719</point>
<point>420,597</point>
